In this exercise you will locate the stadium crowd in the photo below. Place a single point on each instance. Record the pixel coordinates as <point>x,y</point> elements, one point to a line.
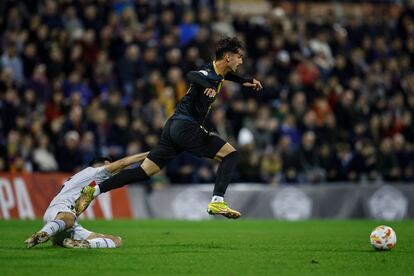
<point>86,78</point>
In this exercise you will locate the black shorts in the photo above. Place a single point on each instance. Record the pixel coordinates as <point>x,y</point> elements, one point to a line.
<point>181,135</point>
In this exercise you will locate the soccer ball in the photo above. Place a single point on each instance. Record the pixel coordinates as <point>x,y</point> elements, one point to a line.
<point>383,238</point>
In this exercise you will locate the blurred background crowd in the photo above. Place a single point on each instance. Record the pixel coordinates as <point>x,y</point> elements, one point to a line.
<point>86,78</point>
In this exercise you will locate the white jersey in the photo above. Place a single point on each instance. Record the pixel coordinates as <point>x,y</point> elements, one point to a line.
<point>72,187</point>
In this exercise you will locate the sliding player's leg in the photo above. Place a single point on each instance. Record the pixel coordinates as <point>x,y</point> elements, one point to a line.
<point>104,241</point>
<point>127,176</point>
<point>124,177</point>
<point>161,154</point>
<point>83,238</point>
<point>56,221</point>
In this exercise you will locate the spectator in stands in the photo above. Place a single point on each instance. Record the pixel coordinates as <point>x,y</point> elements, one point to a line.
<point>10,59</point>
<point>69,155</point>
<point>43,157</point>
<point>309,164</point>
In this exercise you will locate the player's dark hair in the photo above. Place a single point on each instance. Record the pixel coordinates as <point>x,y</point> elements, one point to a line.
<point>228,44</point>
<point>99,160</point>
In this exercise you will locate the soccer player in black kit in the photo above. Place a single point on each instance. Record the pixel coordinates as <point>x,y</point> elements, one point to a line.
<point>184,131</point>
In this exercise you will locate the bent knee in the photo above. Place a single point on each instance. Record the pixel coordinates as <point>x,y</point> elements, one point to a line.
<point>68,219</point>
<point>69,222</point>
<point>150,167</point>
<point>233,155</point>
<point>225,151</point>
<point>117,241</point>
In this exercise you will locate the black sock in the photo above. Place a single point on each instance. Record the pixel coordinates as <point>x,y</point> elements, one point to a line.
<point>224,173</point>
<point>122,178</point>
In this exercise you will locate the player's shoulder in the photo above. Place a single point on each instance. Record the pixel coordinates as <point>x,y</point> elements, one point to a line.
<point>102,171</point>
<point>207,70</point>
<point>92,173</point>
<point>84,172</point>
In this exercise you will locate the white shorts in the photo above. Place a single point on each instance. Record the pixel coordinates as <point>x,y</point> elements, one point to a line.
<point>77,232</point>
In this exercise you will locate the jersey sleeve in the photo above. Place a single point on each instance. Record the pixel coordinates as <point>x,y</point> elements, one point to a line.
<point>236,78</point>
<point>199,78</point>
<point>101,174</point>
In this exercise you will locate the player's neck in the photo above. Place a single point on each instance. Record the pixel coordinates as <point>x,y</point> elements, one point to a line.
<point>221,68</point>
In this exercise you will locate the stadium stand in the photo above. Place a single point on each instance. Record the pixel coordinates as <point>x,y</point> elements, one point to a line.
<point>86,78</point>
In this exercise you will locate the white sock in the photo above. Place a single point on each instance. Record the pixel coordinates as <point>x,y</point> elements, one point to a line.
<point>217,199</point>
<point>101,243</point>
<point>97,191</point>
<point>54,226</point>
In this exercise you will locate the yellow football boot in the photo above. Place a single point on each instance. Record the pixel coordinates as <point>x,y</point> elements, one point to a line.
<point>84,199</point>
<point>221,208</point>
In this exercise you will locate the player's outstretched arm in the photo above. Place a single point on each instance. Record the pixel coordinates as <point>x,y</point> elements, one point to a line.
<point>252,83</point>
<point>121,164</point>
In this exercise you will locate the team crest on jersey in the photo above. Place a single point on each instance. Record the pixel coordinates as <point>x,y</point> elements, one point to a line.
<point>204,72</point>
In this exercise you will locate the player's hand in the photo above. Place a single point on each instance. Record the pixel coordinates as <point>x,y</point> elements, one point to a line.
<point>255,85</point>
<point>210,92</point>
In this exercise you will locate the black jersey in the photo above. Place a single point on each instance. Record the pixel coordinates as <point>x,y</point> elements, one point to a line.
<point>195,105</point>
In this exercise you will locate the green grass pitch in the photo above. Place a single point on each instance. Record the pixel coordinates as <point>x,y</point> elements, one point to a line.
<point>220,247</point>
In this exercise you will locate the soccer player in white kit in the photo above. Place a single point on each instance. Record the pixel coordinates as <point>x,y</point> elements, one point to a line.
<point>60,217</point>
